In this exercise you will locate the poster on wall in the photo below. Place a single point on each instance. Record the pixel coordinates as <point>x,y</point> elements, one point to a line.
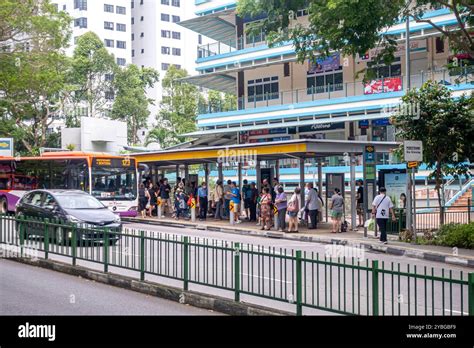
<point>6,147</point>
<point>415,46</point>
<point>395,183</point>
<point>388,84</point>
<point>326,64</point>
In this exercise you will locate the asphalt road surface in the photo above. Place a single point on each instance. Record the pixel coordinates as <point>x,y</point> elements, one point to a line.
<point>28,290</point>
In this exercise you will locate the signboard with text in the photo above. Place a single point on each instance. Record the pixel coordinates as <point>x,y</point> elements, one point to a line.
<point>388,84</point>
<point>413,151</point>
<point>6,147</point>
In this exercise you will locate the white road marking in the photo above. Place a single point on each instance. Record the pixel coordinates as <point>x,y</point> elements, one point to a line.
<point>266,278</point>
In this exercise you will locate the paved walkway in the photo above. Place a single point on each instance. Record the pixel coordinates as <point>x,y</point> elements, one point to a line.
<point>322,234</point>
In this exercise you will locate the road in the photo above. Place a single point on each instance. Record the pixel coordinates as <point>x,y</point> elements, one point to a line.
<point>272,274</point>
<point>28,290</point>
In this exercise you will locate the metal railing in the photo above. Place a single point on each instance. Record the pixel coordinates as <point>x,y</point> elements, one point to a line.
<point>231,44</point>
<point>335,282</point>
<point>335,90</point>
<point>428,219</point>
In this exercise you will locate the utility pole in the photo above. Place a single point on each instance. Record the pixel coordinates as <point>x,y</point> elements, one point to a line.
<point>408,85</point>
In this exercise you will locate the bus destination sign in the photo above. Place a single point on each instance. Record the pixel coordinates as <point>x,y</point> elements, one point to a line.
<point>113,162</point>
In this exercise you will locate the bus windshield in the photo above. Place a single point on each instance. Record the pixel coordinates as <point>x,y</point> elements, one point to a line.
<point>114,183</point>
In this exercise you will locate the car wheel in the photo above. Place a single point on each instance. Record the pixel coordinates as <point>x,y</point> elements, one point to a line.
<point>3,205</point>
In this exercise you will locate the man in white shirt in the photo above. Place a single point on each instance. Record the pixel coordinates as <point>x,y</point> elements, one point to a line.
<point>382,207</point>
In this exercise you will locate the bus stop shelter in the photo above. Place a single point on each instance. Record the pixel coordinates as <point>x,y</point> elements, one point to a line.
<point>299,149</point>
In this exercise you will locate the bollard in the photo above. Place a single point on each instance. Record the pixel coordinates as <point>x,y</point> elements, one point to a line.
<point>275,218</point>
<point>193,210</point>
<point>231,212</point>
<point>158,208</point>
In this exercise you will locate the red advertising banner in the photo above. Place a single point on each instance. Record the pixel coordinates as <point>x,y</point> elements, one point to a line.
<point>389,84</point>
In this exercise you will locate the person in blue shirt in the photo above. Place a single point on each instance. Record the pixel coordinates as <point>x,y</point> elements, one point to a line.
<point>235,193</point>
<point>202,196</point>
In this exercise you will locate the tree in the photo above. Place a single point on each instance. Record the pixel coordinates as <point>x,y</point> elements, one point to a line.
<point>131,103</point>
<point>218,101</point>
<point>32,64</point>
<point>178,111</point>
<point>352,27</point>
<point>445,126</point>
<point>91,74</point>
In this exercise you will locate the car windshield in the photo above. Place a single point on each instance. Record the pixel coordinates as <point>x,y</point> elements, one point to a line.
<point>79,202</point>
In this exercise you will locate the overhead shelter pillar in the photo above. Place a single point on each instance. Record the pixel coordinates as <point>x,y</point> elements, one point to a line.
<point>301,165</point>
<point>206,173</point>
<point>186,173</point>
<point>220,172</point>
<point>258,175</point>
<point>277,169</point>
<point>353,192</point>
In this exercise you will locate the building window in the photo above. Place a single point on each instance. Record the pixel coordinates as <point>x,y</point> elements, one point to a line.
<point>121,44</point>
<point>109,43</point>
<point>109,95</point>
<point>177,66</point>
<point>263,89</point>
<point>80,4</point>
<point>142,51</point>
<point>439,44</point>
<point>142,18</point>
<point>176,51</point>
<point>109,25</point>
<point>253,39</point>
<point>325,82</point>
<point>80,22</point>
<point>133,53</point>
<point>176,35</point>
<point>381,71</point>
<point>121,10</point>
<point>165,33</point>
<point>121,27</point>
<point>133,36</point>
<point>133,20</point>
<point>132,4</point>
<point>141,2</point>
<point>164,66</point>
<point>121,61</point>
<point>176,19</point>
<point>108,8</point>
<point>175,3</point>
<point>64,7</point>
<point>200,39</point>
<point>165,17</point>
<point>165,50</point>
<point>109,77</point>
<point>142,34</point>
<point>165,2</point>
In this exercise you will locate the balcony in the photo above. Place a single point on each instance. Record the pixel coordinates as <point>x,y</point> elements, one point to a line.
<point>339,91</point>
<point>229,45</point>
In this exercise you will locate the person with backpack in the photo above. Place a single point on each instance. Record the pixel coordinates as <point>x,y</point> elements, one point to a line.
<point>293,209</point>
<point>382,208</point>
<point>246,196</point>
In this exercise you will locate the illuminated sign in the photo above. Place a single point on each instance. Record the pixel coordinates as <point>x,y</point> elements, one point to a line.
<point>113,162</point>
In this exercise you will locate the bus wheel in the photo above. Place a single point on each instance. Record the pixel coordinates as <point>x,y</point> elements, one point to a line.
<point>3,205</point>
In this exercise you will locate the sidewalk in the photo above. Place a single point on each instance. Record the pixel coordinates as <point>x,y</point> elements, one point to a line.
<point>464,257</point>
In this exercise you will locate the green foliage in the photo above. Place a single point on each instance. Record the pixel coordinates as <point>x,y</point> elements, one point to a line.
<point>444,127</point>
<point>220,102</point>
<point>456,235</point>
<point>131,103</point>
<point>32,71</point>
<point>178,111</point>
<point>350,26</point>
<point>90,63</point>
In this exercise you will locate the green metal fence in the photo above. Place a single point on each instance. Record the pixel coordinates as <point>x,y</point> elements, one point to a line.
<point>345,285</point>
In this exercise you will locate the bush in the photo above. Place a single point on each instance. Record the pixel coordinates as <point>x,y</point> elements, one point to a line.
<point>456,235</point>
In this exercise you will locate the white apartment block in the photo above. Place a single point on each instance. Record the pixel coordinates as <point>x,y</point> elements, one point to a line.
<point>159,42</point>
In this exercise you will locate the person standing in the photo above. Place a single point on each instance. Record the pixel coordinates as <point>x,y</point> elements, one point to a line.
<point>235,197</point>
<point>153,199</point>
<point>218,199</point>
<point>337,208</point>
<point>360,202</point>
<point>142,200</point>
<point>253,202</point>
<point>311,207</point>
<point>293,209</point>
<point>165,190</point>
<point>265,208</point>
<point>202,196</point>
<point>382,208</point>
<point>281,204</point>
<point>246,196</point>
<point>227,198</point>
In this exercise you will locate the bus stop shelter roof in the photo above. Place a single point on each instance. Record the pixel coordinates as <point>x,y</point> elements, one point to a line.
<point>300,148</point>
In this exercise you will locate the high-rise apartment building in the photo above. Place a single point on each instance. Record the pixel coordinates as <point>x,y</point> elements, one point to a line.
<point>159,42</point>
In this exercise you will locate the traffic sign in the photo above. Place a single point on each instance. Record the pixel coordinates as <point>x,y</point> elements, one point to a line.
<point>193,203</point>
<point>275,210</point>
<point>413,151</point>
<point>369,154</point>
<point>412,164</point>
<point>159,202</point>
<point>231,205</point>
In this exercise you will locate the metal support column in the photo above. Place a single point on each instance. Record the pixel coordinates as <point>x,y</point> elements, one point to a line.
<point>186,173</point>
<point>240,184</point>
<point>353,193</point>
<point>206,174</point>
<point>320,185</point>
<point>277,170</point>
<point>301,160</point>
<point>258,176</point>
<point>220,173</point>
